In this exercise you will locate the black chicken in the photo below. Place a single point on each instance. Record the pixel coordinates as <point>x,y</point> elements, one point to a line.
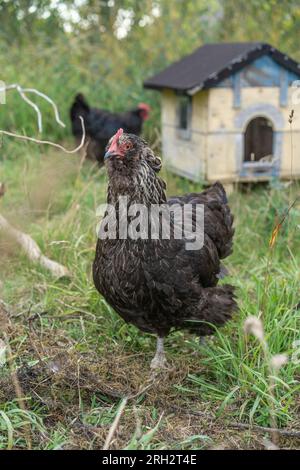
<point>158,284</point>
<point>100,124</point>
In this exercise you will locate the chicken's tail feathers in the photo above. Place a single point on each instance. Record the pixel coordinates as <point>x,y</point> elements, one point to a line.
<point>81,101</point>
<point>224,243</point>
<point>216,307</point>
<point>80,107</point>
<point>219,190</point>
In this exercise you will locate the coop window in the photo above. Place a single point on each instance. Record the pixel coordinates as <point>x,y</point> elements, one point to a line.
<point>184,113</point>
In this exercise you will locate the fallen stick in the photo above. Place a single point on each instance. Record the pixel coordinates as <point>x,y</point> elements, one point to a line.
<point>283,432</point>
<point>32,250</point>
<point>115,424</point>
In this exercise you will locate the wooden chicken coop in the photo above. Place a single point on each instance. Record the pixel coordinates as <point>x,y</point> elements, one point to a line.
<point>225,113</point>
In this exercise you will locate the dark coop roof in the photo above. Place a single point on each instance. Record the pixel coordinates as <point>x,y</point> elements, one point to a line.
<point>211,63</point>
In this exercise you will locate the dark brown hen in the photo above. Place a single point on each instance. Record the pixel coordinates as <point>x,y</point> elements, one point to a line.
<point>101,124</point>
<point>159,284</point>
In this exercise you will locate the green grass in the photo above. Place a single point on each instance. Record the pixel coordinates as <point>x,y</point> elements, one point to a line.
<point>66,327</point>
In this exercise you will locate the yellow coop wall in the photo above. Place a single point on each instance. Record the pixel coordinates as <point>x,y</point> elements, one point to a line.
<point>226,130</point>
<point>215,147</point>
<point>185,156</point>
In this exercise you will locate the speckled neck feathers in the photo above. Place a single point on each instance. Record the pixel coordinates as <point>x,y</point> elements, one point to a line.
<point>137,179</point>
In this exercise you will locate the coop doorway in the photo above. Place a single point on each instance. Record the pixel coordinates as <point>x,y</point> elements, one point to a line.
<point>258,141</point>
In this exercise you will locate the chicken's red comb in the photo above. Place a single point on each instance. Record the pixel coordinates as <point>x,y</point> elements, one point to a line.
<point>114,143</point>
<point>144,106</point>
<point>117,136</point>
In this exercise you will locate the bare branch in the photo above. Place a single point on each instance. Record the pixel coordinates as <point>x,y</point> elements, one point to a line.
<point>39,93</point>
<point>47,142</point>
<point>22,92</point>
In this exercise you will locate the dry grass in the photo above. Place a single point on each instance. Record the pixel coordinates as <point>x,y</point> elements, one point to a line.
<point>77,394</point>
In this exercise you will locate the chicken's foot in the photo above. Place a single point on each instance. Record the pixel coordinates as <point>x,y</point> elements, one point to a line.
<point>159,361</point>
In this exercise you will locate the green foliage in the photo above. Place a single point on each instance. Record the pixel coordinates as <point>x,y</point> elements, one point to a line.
<point>43,48</point>
<point>272,21</point>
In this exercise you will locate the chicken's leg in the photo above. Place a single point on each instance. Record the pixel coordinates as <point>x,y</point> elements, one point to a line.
<point>159,360</point>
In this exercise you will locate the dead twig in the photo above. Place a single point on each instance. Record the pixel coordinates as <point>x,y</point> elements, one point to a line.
<point>254,427</point>
<point>48,142</point>
<point>5,324</point>
<point>141,391</point>
<point>177,409</point>
<point>280,223</point>
<point>115,424</point>
<point>18,389</point>
<point>22,92</point>
<point>120,411</point>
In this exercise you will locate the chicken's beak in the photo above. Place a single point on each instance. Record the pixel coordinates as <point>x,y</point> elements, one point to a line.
<point>108,154</point>
<point>112,153</point>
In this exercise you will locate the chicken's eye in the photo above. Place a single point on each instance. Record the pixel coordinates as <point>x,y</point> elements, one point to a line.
<point>128,146</point>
